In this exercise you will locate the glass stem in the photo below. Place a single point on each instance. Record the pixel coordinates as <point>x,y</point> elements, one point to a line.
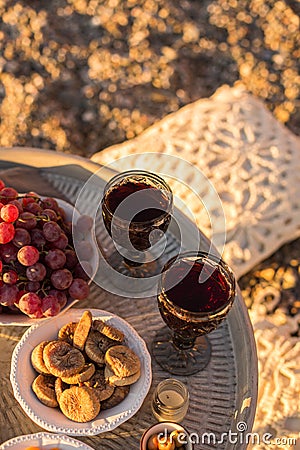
<point>183,343</point>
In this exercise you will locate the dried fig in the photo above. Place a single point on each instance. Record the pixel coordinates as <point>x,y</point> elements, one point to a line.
<point>63,360</point>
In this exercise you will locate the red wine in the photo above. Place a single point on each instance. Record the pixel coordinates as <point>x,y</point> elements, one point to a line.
<point>148,210</point>
<point>191,308</point>
<point>192,295</point>
<point>150,204</point>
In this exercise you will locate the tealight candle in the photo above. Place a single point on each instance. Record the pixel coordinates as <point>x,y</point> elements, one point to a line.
<point>170,401</point>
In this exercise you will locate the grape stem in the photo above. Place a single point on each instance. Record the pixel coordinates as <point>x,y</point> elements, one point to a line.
<point>27,196</point>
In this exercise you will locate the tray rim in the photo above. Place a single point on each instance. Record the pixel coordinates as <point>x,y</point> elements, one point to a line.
<point>238,318</point>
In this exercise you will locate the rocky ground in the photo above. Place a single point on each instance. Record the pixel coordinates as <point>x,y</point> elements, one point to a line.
<point>79,75</point>
<point>274,285</point>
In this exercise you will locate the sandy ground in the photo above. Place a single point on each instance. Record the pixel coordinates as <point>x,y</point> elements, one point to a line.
<point>79,75</point>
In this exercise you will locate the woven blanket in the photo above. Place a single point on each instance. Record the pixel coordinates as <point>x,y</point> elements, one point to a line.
<point>232,164</point>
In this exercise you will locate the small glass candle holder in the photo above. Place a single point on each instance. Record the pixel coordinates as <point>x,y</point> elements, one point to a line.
<point>170,401</point>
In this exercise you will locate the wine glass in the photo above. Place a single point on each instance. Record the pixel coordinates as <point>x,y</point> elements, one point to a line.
<point>196,291</point>
<point>136,210</point>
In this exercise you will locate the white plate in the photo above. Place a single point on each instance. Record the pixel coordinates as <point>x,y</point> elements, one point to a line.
<point>22,375</point>
<point>46,440</point>
<point>21,319</point>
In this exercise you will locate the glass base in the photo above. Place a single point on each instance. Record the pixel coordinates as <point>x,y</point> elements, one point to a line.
<point>134,269</point>
<point>180,361</point>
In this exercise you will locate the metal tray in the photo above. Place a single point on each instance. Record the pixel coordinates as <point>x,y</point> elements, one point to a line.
<point>223,395</point>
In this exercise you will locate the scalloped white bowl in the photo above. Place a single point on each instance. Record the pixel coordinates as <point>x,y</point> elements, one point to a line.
<point>47,440</point>
<point>52,419</point>
<point>20,319</point>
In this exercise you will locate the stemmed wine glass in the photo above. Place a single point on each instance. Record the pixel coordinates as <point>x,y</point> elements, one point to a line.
<point>136,210</point>
<point>196,291</point>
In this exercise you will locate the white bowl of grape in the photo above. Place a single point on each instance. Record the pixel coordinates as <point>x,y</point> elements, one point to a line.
<point>41,274</point>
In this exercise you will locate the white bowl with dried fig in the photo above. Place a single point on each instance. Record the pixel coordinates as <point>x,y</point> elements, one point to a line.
<point>86,373</point>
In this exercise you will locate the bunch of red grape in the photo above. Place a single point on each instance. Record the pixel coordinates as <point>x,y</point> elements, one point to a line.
<point>39,268</point>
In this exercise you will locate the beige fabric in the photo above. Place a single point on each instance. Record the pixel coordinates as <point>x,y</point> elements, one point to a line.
<point>254,164</point>
<point>279,382</point>
<point>252,161</point>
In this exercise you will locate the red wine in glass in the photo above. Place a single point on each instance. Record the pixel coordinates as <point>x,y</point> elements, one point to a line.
<point>136,210</point>
<point>196,292</point>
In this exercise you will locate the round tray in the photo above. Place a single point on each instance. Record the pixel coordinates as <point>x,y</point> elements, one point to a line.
<point>222,396</point>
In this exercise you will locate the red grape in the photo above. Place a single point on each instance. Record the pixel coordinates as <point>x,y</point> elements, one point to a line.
<point>17,204</point>
<point>72,259</point>
<point>60,296</point>
<point>8,294</point>
<point>50,203</point>
<point>49,214</point>
<point>61,279</point>
<point>7,194</point>
<point>61,242</point>
<point>83,270</point>
<point>34,208</point>
<point>2,184</point>
<point>84,224</point>
<point>9,213</point>
<point>26,220</point>
<point>29,199</point>
<point>79,289</point>
<point>84,250</point>
<point>21,238</point>
<point>7,232</point>
<point>28,255</point>
<point>19,295</point>
<point>10,277</point>
<point>31,304</point>
<point>37,238</point>
<point>55,259</point>
<point>8,253</point>
<point>50,306</point>
<point>51,231</point>
<point>38,314</point>
<point>39,266</point>
<point>37,272</point>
